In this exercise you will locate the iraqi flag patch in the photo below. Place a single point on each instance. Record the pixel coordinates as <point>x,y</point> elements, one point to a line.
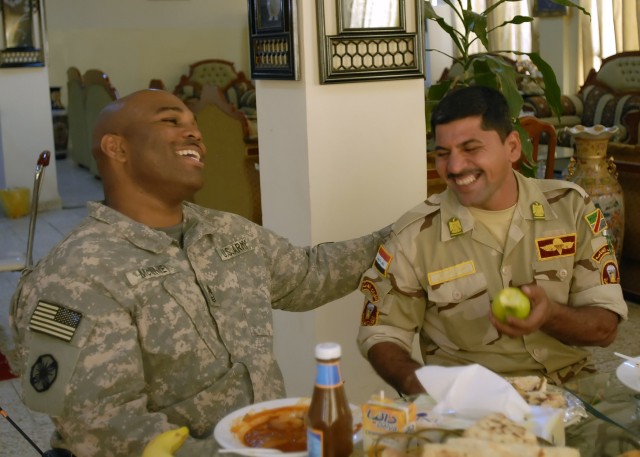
<point>382,261</point>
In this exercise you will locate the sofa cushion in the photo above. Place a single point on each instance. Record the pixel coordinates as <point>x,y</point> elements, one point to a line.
<point>621,73</point>
<point>606,108</point>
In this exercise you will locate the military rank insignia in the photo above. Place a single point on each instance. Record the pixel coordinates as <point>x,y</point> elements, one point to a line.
<point>556,246</point>
<point>596,220</point>
<point>382,261</point>
<point>43,373</point>
<point>455,226</point>
<point>54,320</point>
<point>537,210</point>
<point>369,314</point>
<point>610,273</point>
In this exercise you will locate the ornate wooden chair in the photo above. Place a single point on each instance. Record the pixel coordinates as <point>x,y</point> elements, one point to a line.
<point>79,145</point>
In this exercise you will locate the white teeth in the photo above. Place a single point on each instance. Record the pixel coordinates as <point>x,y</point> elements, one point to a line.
<point>190,153</point>
<point>466,180</point>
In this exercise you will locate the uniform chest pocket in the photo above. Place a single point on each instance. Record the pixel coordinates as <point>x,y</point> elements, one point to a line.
<point>462,309</point>
<point>458,290</point>
<point>554,276</point>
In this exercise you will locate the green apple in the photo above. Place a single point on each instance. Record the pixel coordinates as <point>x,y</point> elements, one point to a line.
<point>510,301</point>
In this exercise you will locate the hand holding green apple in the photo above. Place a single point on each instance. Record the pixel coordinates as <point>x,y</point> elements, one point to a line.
<point>510,301</point>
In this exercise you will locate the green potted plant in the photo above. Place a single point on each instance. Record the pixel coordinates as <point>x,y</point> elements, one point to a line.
<point>491,69</point>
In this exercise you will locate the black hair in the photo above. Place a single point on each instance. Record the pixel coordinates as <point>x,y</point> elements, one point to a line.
<point>471,101</point>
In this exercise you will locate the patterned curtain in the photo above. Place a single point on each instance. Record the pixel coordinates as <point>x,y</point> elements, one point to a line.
<point>507,37</point>
<point>613,28</point>
<point>372,13</point>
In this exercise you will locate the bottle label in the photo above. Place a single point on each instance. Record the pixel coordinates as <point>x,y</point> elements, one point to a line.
<point>314,442</point>
<point>328,375</point>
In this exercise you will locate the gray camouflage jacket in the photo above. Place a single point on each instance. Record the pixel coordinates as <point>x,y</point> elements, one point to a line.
<point>121,334</point>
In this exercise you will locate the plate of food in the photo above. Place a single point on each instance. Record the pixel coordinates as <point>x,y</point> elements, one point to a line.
<point>628,372</point>
<point>276,424</point>
<point>537,392</point>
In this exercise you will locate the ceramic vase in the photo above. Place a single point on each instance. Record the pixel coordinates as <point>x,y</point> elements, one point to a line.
<point>596,174</point>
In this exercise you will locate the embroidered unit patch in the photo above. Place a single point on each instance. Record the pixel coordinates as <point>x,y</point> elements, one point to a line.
<point>369,314</point>
<point>43,373</point>
<point>449,274</point>
<point>610,273</point>
<point>600,253</point>
<point>368,286</point>
<point>596,220</point>
<point>54,320</point>
<point>382,261</point>
<point>556,246</point>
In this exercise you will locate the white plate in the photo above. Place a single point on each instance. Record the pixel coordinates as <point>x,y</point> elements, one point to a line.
<point>228,440</point>
<point>629,374</point>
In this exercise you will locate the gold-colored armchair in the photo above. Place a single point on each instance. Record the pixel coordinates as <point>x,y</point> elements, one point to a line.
<point>231,174</point>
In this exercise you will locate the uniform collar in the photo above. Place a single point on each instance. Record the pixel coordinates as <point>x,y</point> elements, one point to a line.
<point>454,216</point>
<point>138,234</point>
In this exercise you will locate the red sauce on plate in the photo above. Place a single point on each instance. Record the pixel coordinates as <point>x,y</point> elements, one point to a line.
<point>279,428</point>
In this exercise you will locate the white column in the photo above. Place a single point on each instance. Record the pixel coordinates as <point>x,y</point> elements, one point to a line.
<point>336,161</point>
<point>26,130</point>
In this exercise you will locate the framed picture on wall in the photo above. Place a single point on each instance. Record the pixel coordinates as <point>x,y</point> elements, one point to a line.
<point>17,23</point>
<point>22,33</point>
<point>548,8</point>
<point>273,39</point>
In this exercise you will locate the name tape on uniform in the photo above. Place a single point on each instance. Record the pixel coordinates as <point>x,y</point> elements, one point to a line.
<point>234,249</point>
<point>451,273</point>
<point>154,271</point>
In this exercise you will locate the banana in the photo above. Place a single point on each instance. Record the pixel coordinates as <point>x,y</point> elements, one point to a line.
<point>166,443</point>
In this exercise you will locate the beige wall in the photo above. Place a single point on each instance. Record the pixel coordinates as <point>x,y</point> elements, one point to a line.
<point>136,41</point>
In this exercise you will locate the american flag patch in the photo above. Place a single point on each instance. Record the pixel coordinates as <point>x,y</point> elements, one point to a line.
<point>54,320</point>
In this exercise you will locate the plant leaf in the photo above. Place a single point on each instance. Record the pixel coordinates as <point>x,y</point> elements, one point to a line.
<point>495,5</point>
<point>476,23</point>
<point>571,4</point>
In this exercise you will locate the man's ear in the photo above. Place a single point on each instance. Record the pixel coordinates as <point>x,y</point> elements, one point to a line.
<point>112,146</point>
<point>513,145</point>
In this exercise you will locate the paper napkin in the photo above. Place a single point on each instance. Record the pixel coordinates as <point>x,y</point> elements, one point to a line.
<point>472,392</point>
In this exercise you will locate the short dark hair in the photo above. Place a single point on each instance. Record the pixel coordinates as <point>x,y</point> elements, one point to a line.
<point>471,101</point>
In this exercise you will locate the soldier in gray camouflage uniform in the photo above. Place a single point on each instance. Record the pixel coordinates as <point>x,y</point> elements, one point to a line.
<point>155,313</point>
<point>492,228</point>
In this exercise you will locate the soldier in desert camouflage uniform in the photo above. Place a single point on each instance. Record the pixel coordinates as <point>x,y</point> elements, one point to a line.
<point>492,228</point>
<point>155,313</point>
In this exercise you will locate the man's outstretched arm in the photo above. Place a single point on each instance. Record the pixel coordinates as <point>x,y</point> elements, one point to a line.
<point>395,365</point>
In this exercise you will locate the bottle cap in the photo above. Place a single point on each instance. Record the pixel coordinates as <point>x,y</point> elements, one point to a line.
<point>328,351</point>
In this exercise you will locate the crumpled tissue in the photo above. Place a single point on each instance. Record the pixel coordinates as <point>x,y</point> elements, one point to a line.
<point>465,394</point>
<point>472,392</point>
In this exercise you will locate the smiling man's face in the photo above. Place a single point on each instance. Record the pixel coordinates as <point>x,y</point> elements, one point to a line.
<point>163,145</point>
<point>477,164</point>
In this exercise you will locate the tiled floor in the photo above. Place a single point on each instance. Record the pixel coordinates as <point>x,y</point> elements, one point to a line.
<point>76,186</point>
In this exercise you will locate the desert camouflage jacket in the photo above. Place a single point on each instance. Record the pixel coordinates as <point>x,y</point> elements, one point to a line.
<point>439,271</point>
<point>122,334</point>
